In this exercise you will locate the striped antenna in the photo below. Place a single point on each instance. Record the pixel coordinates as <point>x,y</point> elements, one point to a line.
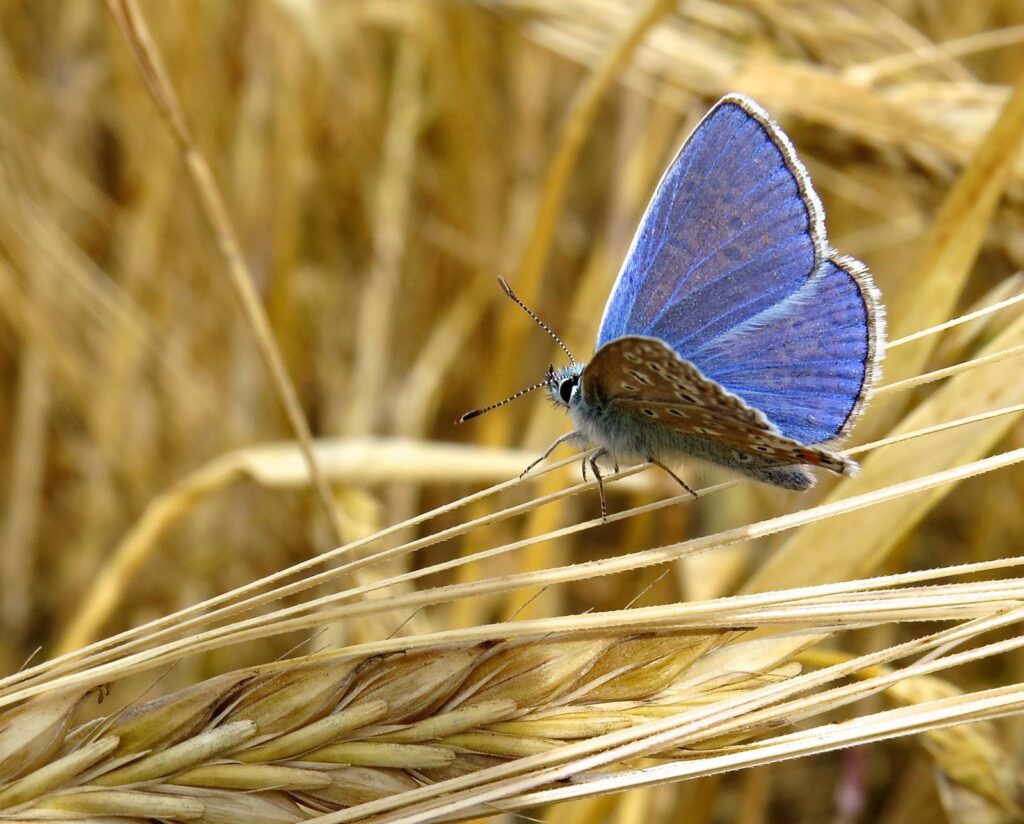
<point>473,413</point>
<point>538,321</point>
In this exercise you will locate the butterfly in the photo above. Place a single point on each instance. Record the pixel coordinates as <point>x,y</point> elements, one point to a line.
<point>733,333</point>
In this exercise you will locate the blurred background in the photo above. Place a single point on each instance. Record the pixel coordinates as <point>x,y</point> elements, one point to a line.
<point>382,162</point>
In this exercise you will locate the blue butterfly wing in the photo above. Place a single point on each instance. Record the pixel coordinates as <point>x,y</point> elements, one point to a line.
<point>809,361</point>
<point>733,228</point>
<point>731,269</point>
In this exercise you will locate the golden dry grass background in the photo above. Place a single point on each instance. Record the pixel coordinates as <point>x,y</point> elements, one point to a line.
<point>381,164</point>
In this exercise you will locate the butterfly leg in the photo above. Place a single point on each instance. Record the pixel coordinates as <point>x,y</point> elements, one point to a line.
<point>568,436</point>
<point>675,477</point>
<point>600,482</point>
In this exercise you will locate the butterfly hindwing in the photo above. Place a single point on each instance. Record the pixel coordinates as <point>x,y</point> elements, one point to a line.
<point>809,362</point>
<point>645,380</point>
<point>732,229</point>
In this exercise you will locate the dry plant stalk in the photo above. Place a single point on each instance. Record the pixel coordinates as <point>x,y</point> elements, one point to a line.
<point>133,25</point>
<point>336,732</point>
<point>319,734</point>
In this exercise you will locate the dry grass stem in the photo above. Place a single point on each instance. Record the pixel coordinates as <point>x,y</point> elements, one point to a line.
<point>133,25</point>
<point>298,729</point>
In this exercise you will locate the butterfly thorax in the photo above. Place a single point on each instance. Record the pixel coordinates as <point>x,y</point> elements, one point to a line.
<point>595,424</point>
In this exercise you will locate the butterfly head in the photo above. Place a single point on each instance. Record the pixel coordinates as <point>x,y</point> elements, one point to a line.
<point>563,385</point>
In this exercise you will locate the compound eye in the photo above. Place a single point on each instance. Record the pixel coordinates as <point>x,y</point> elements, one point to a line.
<point>566,387</point>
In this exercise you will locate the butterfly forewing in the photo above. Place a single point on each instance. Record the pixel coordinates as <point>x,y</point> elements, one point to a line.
<point>733,228</point>
<point>645,369</point>
<point>644,379</point>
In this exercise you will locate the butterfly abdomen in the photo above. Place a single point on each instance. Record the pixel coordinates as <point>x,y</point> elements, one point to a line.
<point>629,440</point>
